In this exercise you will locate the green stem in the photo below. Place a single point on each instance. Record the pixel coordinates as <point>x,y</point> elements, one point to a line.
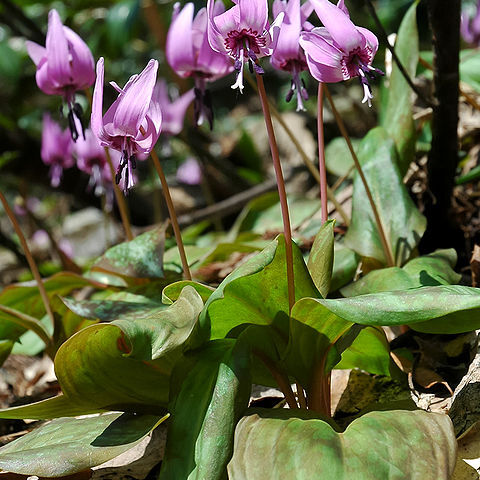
<point>281,190</point>
<point>321,155</point>
<point>383,238</point>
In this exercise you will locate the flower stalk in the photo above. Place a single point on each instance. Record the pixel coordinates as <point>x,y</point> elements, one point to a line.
<point>172,214</point>
<point>321,155</point>
<point>383,238</point>
<point>281,190</point>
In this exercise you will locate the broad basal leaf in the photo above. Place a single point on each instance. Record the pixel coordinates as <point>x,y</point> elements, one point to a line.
<point>210,391</point>
<point>142,257</point>
<point>256,292</point>
<point>398,118</point>
<point>403,224</point>
<point>123,365</point>
<point>69,445</point>
<point>389,445</point>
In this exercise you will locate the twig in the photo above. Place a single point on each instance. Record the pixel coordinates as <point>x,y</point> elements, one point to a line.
<point>321,154</point>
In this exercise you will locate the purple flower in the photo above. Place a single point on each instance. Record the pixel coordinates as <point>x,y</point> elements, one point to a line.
<point>340,50</point>
<point>132,123</point>
<point>64,66</point>
<point>190,55</point>
<point>92,159</point>
<point>173,112</point>
<point>288,55</point>
<point>243,33</point>
<point>470,26</point>
<point>189,172</point>
<point>56,149</point>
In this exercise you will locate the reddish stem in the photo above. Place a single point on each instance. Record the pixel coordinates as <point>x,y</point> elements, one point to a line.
<point>321,155</point>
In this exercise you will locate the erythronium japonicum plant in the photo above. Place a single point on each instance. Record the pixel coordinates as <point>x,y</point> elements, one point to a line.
<point>143,348</point>
<point>64,66</point>
<point>190,55</point>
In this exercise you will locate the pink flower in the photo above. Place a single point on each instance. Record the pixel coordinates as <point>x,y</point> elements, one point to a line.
<point>470,26</point>
<point>243,33</point>
<point>56,149</point>
<point>92,159</point>
<point>64,65</point>
<point>190,55</point>
<point>340,50</point>
<point>132,123</point>
<point>288,55</point>
<point>189,172</point>
<point>173,112</point>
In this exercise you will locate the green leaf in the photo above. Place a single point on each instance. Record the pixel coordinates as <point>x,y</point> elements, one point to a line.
<point>124,365</point>
<point>338,158</point>
<point>211,390</point>
<point>440,309</point>
<point>69,445</point>
<point>345,263</point>
<point>429,270</point>
<point>171,292</point>
<point>403,224</point>
<point>142,257</point>
<point>398,118</point>
<point>369,351</point>
<point>5,349</point>
<point>256,292</point>
<point>387,445</point>
<point>26,298</point>
<point>320,261</point>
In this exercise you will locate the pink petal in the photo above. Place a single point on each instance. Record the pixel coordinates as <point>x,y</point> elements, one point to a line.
<point>35,51</point>
<point>215,38</point>
<point>228,21</point>
<point>133,105</point>
<point>341,5</point>
<point>82,63</point>
<point>179,46</point>
<point>278,6</point>
<point>342,29</point>
<point>212,63</point>
<point>57,51</point>
<point>287,45</point>
<point>96,120</point>
<point>44,80</point>
<point>323,59</point>
<point>253,15</point>
<point>372,40</point>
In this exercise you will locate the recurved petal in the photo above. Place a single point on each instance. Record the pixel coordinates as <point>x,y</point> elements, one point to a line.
<point>287,44</point>
<point>278,6</point>
<point>146,142</point>
<point>212,63</point>
<point>35,51</point>
<point>83,66</point>
<point>96,119</point>
<point>215,38</point>
<point>323,58</point>
<point>253,15</point>
<point>341,28</point>
<point>179,45</point>
<point>58,63</point>
<point>371,39</point>
<point>134,103</point>
<point>228,21</point>
<point>44,81</point>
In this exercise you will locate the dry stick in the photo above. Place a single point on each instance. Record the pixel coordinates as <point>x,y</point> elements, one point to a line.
<point>342,178</point>
<point>321,154</point>
<point>386,247</point>
<point>308,163</point>
<point>173,215</point>
<point>29,257</point>
<point>122,206</point>
<point>302,401</point>
<point>281,190</point>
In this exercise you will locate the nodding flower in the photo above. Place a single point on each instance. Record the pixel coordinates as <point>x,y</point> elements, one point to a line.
<point>64,66</point>
<point>243,33</point>
<point>132,123</point>
<point>56,150</point>
<point>190,55</point>
<point>340,50</point>
<point>288,55</point>
<point>470,26</point>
